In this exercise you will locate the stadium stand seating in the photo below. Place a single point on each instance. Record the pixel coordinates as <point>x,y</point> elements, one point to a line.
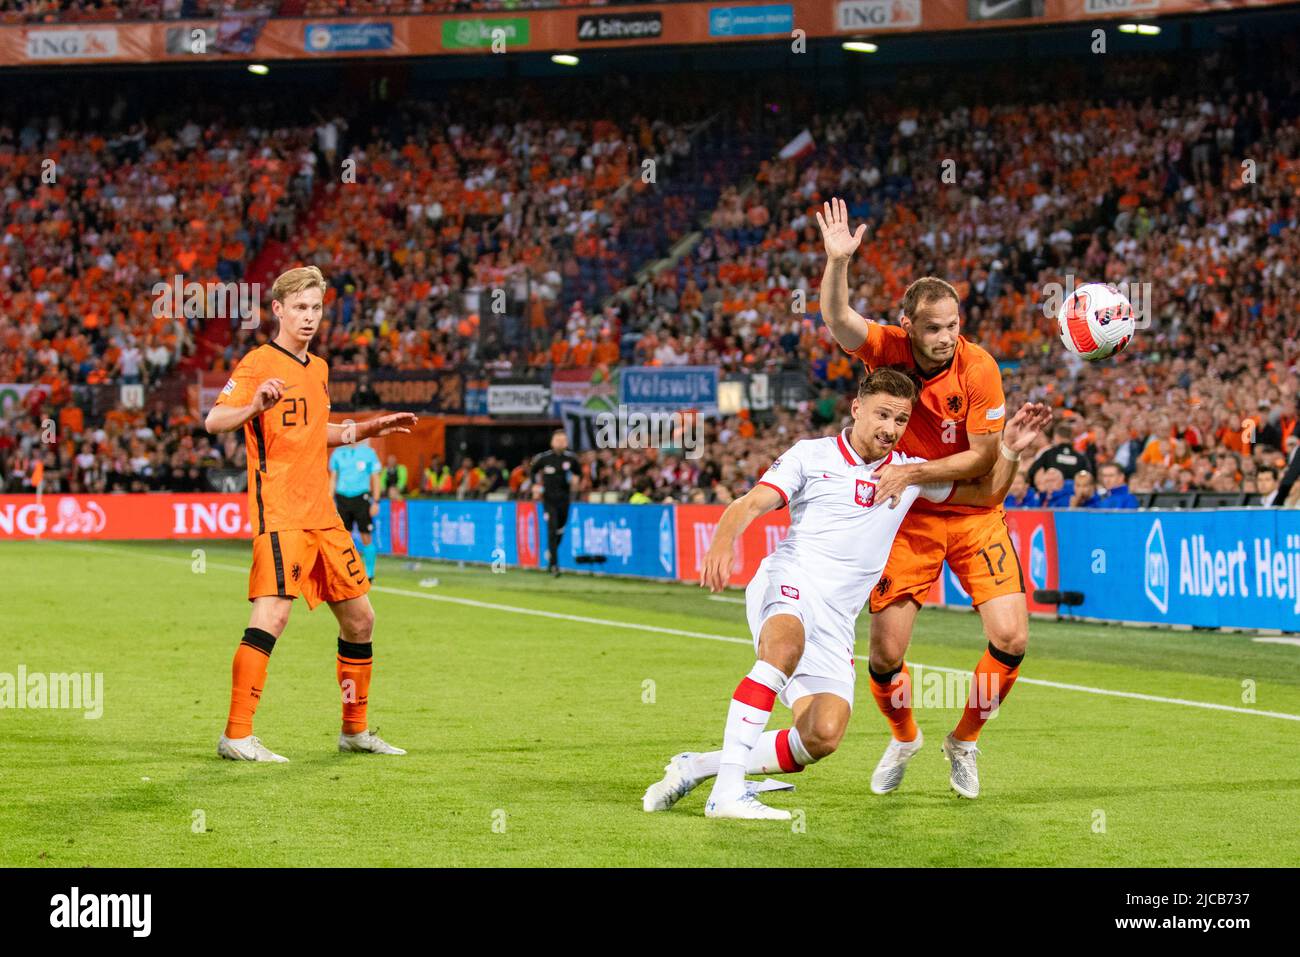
<point>543,196</point>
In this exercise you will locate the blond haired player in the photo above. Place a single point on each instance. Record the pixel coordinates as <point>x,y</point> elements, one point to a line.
<point>279,394</point>
<point>804,600</point>
<point>955,427</point>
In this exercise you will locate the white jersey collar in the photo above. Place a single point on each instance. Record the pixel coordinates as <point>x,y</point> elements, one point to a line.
<point>850,453</point>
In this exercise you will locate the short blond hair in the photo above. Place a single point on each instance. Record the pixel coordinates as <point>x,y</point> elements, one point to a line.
<point>298,279</point>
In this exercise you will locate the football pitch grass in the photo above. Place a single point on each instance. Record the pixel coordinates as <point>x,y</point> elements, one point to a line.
<point>535,715</point>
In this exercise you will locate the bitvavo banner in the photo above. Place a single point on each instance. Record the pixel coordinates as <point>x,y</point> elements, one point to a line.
<point>1236,568</point>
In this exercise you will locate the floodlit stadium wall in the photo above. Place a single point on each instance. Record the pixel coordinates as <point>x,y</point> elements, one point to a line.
<point>1231,568</point>
<point>247,36</point>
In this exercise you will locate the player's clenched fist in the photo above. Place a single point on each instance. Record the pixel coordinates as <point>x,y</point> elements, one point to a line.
<point>715,572</point>
<point>268,394</point>
<point>834,223</point>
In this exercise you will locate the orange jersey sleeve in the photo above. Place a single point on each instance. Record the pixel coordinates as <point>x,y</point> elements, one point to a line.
<point>242,385</point>
<point>884,346</point>
<point>986,405</point>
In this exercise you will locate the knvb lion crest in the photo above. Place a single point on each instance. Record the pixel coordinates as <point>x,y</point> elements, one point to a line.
<point>296,571</point>
<point>954,404</point>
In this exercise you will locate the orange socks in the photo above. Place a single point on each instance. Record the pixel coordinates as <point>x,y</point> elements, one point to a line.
<point>247,679</point>
<point>990,685</point>
<point>353,672</point>
<point>893,694</point>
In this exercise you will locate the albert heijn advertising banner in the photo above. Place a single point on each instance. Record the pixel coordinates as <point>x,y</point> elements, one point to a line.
<point>123,517</point>
<point>1237,568</point>
<point>634,540</point>
<point>461,531</point>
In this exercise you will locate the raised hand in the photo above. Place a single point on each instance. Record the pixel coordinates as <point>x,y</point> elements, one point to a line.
<point>1030,421</point>
<point>834,223</point>
<point>268,394</point>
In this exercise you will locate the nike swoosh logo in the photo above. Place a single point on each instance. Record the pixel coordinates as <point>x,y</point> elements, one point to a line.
<point>747,721</point>
<point>993,9</point>
<point>1001,580</point>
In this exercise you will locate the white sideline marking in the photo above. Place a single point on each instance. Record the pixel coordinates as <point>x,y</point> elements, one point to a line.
<point>656,629</point>
<point>562,616</point>
<point>1128,694</point>
<point>733,601</point>
<point>1277,641</point>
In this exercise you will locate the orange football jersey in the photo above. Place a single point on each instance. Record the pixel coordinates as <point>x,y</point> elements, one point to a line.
<point>963,398</point>
<point>288,454</point>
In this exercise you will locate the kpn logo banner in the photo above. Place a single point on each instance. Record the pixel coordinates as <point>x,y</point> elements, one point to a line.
<point>483,32</point>
<point>1237,568</point>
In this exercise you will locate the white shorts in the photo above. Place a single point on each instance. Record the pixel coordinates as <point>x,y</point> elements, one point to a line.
<point>827,662</point>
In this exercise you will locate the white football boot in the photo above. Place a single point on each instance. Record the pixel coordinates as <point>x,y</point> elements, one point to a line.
<point>747,807</point>
<point>965,777</point>
<point>676,783</point>
<point>889,772</point>
<point>368,742</point>
<point>250,748</point>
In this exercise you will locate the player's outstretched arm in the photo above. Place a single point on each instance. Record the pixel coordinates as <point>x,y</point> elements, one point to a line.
<point>715,572</point>
<point>847,326</point>
<point>346,433</point>
<point>1020,433</point>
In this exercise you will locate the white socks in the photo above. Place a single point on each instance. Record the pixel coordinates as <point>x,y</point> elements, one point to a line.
<point>751,706</point>
<point>766,757</point>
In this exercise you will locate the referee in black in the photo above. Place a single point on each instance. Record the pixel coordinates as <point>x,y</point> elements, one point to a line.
<point>558,470</point>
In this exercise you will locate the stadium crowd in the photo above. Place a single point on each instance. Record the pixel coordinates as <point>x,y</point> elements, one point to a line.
<point>456,201</point>
<point>75,11</point>
<point>1187,202</point>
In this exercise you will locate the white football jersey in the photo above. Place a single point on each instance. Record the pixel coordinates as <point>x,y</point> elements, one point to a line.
<point>840,536</point>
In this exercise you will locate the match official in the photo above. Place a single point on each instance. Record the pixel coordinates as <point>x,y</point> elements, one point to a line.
<point>558,470</point>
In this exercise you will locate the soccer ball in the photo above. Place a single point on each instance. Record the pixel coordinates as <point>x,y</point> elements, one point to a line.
<point>1096,322</point>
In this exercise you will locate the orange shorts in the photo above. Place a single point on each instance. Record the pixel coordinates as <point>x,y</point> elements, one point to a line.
<point>318,564</point>
<point>978,549</point>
